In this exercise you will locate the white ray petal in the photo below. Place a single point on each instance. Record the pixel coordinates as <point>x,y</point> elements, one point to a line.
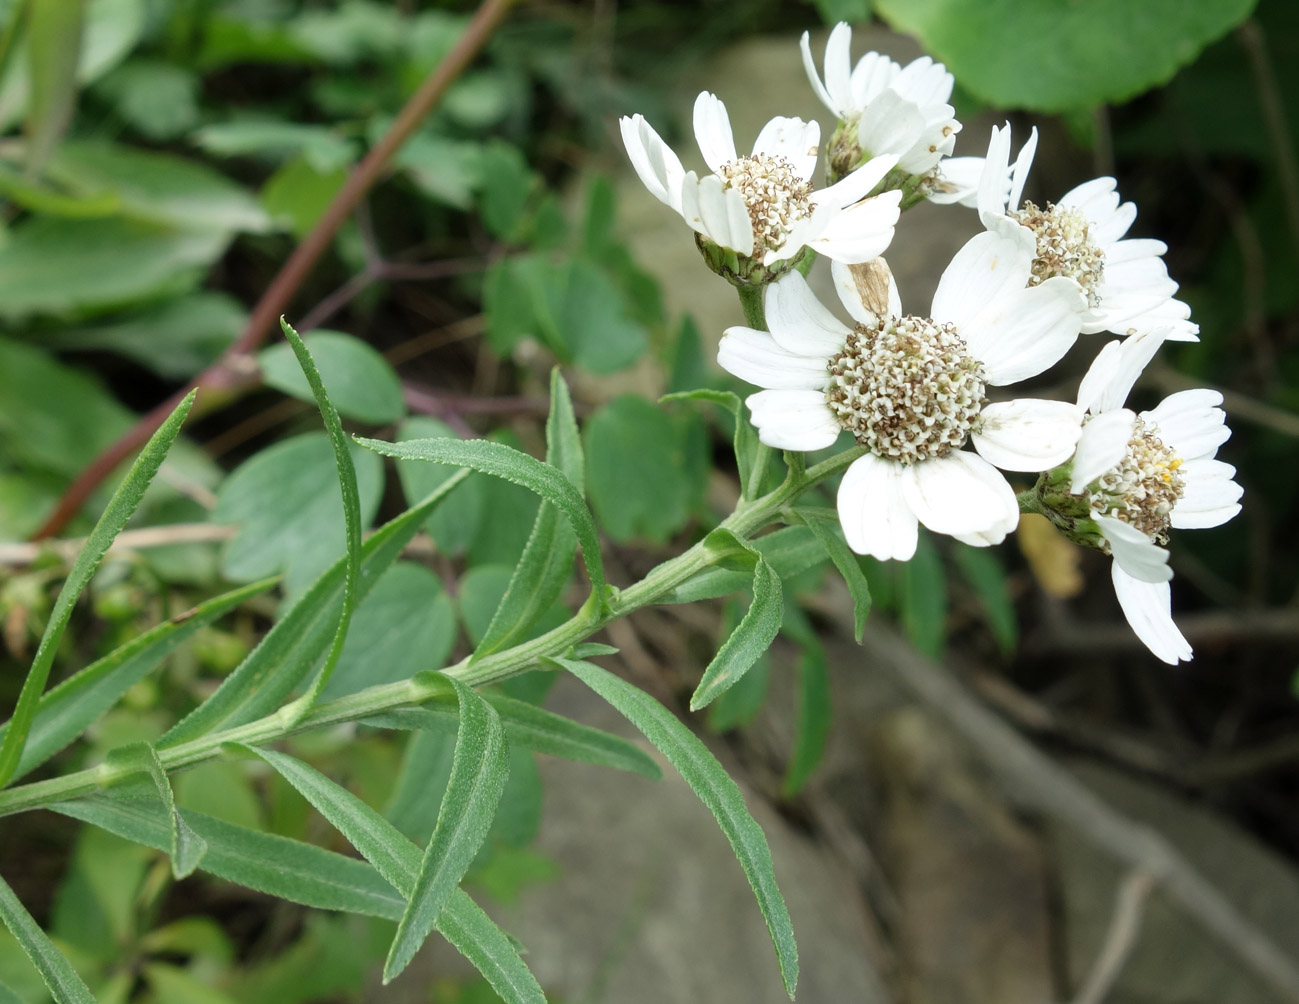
<point>1028,434</point>
<point>1136,553</point>
<point>798,321</point>
<point>795,140</point>
<point>658,168</point>
<point>876,519</point>
<point>1148,609</point>
<point>717,212</point>
<point>1191,422</point>
<point>1019,174</point>
<point>1210,497</point>
<point>713,131</point>
<point>860,232</point>
<point>1027,332</point>
<point>959,493</point>
<point>793,419</point>
<point>1102,445</point>
<point>838,75</point>
<point>991,267</point>
<point>855,185</point>
<point>845,284</point>
<point>813,77</point>
<point>994,182</point>
<point>756,357</point>
<point>1116,369</point>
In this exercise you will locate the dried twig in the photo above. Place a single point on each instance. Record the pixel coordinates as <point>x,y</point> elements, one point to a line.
<point>1125,925</point>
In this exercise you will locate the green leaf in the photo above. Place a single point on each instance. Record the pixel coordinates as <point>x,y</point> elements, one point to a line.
<point>175,986</point>
<point>923,599</point>
<point>323,148</point>
<point>67,710</point>
<point>478,774</point>
<point>740,705</point>
<point>511,465</point>
<point>506,183</point>
<point>748,451</point>
<point>646,468</point>
<point>280,867</point>
<point>361,383</point>
<point>158,188</point>
<point>812,728</point>
<point>174,339</point>
<point>790,551</point>
<point>461,922</point>
<point>53,50</point>
<point>405,625</point>
<point>547,562</point>
<point>715,789</point>
<point>1054,55</point>
<point>159,100</point>
<point>351,516</point>
<point>297,194</point>
<point>186,848</point>
<point>747,642</point>
<point>290,649</point>
<point>59,266</point>
<point>532,728</point>
<point>120,509</point>
<point>57,972</point>
<point>42,199</point>
<point>285,502</point>
<point>594,322</point>
<point>987,578</point>
<point>824,524</point>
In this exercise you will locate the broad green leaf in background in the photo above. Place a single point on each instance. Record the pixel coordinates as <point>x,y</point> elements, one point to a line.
<point>505,185</point>
<point>285,503</point>
<point>120,508</point>
<point>186,848</point>
<point>812,727</point>
<point>159,188</point>
<point>745,442</point>
<point>422,778</point>
<point>646,468</point>
<point>446,170</point>
<point>398,860</point>
<point>532,728</point>
<point>982,570</point>
<point>361,383</point>
<point>824,524</point>
<point>547,562</point>
<point>41,198</point>
<point>478,774</point>
<point>715,789</point>
<point>58,266</point>
<point>455,523</point>
<point>93,912</point>
<point>406,624</point>
<point>1056,55</point>
<point>322,147</point>
<point>57,972</point>
<point>68,709</point>
<point>175,338</point>
<point>297,194</point>
<point>157,99</point>
<point>53,50</point>
<point>501,461</point>
<point>748,642</point>
<point>290,649</point>
<point>922,599</point>
<point>175,986</point>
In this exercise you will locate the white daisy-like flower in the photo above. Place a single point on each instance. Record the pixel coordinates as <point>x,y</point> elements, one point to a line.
<point>1081,236</point>
<point>763,206</point>
<point>884,108</point>
<point>912,391</point>
<point>1136,475</point>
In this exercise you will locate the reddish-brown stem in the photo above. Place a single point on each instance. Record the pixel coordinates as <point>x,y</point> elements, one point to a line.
<point>227,373</point>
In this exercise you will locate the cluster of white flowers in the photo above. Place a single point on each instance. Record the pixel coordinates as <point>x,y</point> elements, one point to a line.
<point>913,390</point>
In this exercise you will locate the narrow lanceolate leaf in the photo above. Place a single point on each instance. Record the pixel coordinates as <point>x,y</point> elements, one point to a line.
<point>54,30</point>
<point>262,682</point>
<point>715,789</point>
<point>824,523</point>
<point>501,461</point>
<point>461,922</point>
<point>280,867</point>
<point>186,847</point>
<point>65,985</point>
<point>747,642</point>
<point>789,550</point>
<point>70,708</point>
<point>120,508</point>
<point>478,773</point>
<point>351,516</point>
<point>532,728</point>
<point>813,722</point>
<point>547,560</point>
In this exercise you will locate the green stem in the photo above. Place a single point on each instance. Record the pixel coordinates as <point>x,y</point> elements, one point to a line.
<point>751,301</point>
<point>660,581</point>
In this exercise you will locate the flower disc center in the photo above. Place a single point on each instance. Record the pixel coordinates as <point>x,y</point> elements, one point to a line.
<point>774,193</point>
<point>907,388</point>
<point>1144,487</point>
<point>1064,247</point>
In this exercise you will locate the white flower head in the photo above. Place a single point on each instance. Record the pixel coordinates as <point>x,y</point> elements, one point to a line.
<point>911,391</point>
<point>1136,475</point>
<point>763,206</point>
<point>1081,236</point>
<point>884,108</point>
